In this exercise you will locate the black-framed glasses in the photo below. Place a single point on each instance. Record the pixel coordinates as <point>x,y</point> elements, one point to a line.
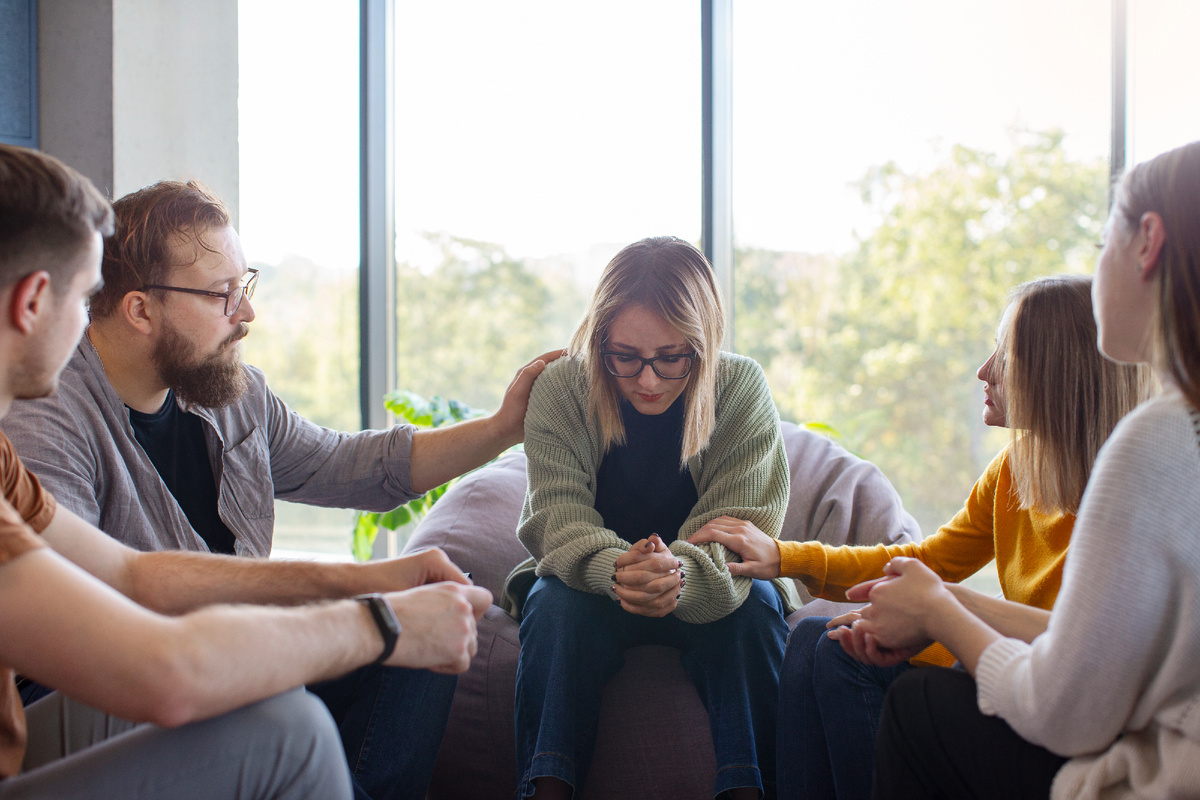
<point>672,367</point>
<point>233,298</point>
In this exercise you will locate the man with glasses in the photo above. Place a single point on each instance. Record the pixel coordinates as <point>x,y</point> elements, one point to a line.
<point>162,437</point>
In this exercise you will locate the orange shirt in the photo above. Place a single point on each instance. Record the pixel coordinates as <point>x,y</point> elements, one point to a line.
<point>24,508</point>
<point>1029,548</point>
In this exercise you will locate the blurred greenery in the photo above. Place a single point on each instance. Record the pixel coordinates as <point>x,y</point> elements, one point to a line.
<point>884,342</point>
<point>880,344</point>
<point>416,410</point>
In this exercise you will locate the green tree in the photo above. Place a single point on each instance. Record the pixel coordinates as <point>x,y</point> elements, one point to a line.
<point>465,326</point>
<point>884,343</point>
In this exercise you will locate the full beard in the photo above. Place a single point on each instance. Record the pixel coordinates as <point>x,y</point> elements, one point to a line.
<point>213,381</point>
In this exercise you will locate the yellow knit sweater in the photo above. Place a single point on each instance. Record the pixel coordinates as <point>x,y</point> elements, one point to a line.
<point>1029,547</point>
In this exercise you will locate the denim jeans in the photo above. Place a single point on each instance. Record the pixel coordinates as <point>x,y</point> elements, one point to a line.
<point>391,721</point>
<point>572,642</point>
<point>829,709</point>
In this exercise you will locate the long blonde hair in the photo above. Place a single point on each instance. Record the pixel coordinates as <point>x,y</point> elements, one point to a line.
<point>1169,185</point>
<point>1062,396</point>
<point>673,279</point>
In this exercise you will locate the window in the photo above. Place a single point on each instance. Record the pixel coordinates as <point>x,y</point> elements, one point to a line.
<point>1162,111</point>
<point>897,169</point>
<point>298,132</point>
<point>534,139</point>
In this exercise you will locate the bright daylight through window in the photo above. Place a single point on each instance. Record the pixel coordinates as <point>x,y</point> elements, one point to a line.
<point>898,167</point>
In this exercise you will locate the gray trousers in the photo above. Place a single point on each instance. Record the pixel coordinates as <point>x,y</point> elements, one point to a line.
<point>283,748</point>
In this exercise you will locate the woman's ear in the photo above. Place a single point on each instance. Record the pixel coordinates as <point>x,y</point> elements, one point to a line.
<point>30,299</point>
<point>1152,235</point>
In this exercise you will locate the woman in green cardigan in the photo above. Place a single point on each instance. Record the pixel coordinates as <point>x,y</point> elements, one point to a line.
<point>639,439</point>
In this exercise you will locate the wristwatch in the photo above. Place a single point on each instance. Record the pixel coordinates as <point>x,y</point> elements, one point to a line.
<point>385,620</point>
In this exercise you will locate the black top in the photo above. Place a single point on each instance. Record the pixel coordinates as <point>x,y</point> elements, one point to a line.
<point>640,487</point>
<point>174,440</point>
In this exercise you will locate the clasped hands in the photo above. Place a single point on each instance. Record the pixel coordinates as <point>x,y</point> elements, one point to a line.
<point>897,624</point>
<point>648,578</point>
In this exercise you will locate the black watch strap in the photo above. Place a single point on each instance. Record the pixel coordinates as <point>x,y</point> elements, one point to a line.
<point>385,620</point>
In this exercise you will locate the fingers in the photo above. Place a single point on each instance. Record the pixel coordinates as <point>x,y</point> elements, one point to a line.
<point>712,534</point>
<point>846,619</point>
<point>859,592</point>
<point>647,590</point>
<point>530,371</point>
<point>480,600</point>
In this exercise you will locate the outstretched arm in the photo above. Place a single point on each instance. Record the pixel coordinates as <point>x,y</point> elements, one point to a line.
<point>175,581</point>
<point>66,629</point>
<point>444,453</point>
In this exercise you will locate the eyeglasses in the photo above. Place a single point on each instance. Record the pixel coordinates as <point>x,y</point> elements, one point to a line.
<point>233,298</point>
<point>627,365</point>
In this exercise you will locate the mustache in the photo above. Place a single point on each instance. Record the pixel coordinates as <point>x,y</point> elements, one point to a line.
<point>238,334</point>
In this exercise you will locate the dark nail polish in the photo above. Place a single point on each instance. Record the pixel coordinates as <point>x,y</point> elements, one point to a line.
<point>614,577</point>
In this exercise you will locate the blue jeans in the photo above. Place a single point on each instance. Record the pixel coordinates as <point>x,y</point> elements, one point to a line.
<point>573,642</point>
<point>391,721</point>
<point>829,709</point>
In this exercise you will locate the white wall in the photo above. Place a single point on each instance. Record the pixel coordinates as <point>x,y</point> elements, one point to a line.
<point>135,91</point>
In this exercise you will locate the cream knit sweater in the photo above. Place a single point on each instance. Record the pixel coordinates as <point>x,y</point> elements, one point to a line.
<point>742,473</point>
<point>1114,682</point>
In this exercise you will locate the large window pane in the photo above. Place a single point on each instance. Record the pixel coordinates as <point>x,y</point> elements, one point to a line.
<point>898,167</point>
<point>298,131</point>
<point>534,139</point>
<point>1163,111</point>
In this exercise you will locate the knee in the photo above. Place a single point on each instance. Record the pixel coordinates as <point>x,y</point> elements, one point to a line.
<point>801,646</point>
<point>556,614</point>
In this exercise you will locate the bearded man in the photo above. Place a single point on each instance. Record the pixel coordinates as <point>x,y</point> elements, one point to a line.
<point>160,436</point>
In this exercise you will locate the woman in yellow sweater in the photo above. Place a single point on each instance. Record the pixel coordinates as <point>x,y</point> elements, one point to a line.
<point>1048,383</point>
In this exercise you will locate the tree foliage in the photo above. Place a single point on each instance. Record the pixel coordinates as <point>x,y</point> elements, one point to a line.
<point>883,344</point>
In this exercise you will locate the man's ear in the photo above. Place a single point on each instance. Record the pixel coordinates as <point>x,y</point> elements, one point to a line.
<point>29,300</point>
<point>137,313</point>
<point>1152,235</point>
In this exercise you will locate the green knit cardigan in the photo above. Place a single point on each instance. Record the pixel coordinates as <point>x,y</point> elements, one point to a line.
<point>743,473</point>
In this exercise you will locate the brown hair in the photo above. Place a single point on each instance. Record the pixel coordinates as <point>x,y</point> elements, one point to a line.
<point>48,211</point>
<point>148,222</point>
<point>1169,185</point>
<point>673,279</point>
<point>1062,396</point>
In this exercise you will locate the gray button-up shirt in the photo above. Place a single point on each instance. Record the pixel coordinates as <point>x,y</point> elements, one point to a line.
<point>81,446</point>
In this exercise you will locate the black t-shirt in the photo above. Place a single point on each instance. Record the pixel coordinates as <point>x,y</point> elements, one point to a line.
<point>640,487</point>
<point>174,440</point>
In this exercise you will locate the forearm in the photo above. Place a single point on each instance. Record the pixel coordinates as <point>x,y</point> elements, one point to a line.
<point>228,656</point>
<point>444,453</point>
<point>175,582</point>
<point>1009,619</point>
<point>72,632</point>
<point>959,631</point>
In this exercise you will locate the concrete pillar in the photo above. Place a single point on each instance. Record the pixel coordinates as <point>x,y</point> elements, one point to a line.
<point>135,91</point>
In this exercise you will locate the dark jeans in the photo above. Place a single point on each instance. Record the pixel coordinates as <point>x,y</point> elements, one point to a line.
<point>572,642</point>
<point>391,721</point>
<point>935,742</point>
<point>829,710</point>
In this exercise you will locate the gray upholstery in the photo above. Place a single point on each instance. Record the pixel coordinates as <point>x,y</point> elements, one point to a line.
<point>836,498</point>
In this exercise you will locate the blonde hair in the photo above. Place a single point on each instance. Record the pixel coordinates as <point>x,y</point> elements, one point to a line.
<point>1169,185</point>
<point>1062,396</point>
<point>674,280</point>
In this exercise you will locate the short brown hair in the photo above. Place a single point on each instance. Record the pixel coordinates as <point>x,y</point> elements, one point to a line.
<point>48,211</point>
<point>139,252</point>
<point>1062,396</point>
<point>674,280</point>
<point>1169,185</point>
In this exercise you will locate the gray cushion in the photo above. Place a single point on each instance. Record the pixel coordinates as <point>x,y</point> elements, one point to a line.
<point>836,497</point>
